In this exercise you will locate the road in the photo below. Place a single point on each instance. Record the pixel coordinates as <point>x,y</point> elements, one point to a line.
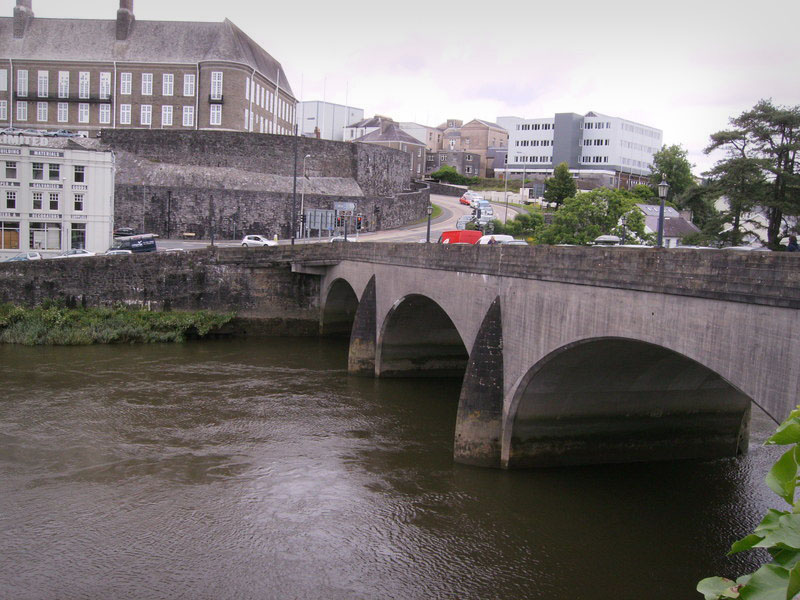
<point>451,211</point>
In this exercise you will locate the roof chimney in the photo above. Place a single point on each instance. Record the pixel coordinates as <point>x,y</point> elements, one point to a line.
<point>125,19</point>
<point>23,15</point>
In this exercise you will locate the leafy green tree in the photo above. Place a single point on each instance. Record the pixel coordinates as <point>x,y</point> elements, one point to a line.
<point>760,168</point>
<point>524,225</point>
<point>778,532</point>
<point>560,186</point>
<point>589,215</point>
<point>671,164</point>
<point>645,194</point>
<point>448,174</point>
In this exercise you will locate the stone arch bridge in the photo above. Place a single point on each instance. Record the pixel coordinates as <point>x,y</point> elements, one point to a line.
<point>574,355</point>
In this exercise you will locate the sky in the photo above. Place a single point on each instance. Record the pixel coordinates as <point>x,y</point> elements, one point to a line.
<point>682,67</point>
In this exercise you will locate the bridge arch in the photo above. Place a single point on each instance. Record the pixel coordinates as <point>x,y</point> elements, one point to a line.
<point>339,311</point>
<point>614,399</point>
<point>419,339</point>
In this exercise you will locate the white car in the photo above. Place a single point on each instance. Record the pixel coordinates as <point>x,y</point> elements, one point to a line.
<point>257,240</point>
<point>74,253</point>
<point>499,238</point>
<point>115,251</point>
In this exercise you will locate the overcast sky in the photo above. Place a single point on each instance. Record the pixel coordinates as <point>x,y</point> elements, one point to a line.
<point>684,66</point>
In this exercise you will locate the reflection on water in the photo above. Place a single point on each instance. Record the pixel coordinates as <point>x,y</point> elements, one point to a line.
<point>259,469</point>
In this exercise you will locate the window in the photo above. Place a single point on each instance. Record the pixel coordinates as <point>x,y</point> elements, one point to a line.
<point>147,84</point>
<point>22,83</point>
<point>84,80</point>
<point>167,84</point>
<point>469,157</point>
<point>41,111</point>
<point>37,200</point>
<point>247,89</point>
<point>45,236</point>
<point>62,113</point>
<point>125,114</point>
<point>83,112</point>
<point>9,235</point>
<point>216,85</point>
<point>79,174</point>
<point>146,114</point>
<point>11,170</point>
<point>246,118</point>
<point>63,84</point>
<point>188,116</point>
<point>468,170</point>
<point>22,111</point>
<point>3,80</point>
<point>77,204</point>
<point>77,235</point>
<point>54,172</point>
<point>188,84</point>
<point>37,170</point>
<point>105,86</point>
<point>44,84</point>
<point>54,200</point>
<point>166,116</point>
<point>216,114</point>
<point>126,84</point>
<point>11,200</point>
<point>105,114</point>
<point>3,110</point>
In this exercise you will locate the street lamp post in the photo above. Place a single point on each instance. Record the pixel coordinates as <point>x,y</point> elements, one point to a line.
<point>505,181</point>
<point>293,227</point>
<point>302,199</point>
<point>663,188</point>
<point>430,212</point>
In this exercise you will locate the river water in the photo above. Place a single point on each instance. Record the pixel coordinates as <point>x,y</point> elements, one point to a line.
<point>260,469</point>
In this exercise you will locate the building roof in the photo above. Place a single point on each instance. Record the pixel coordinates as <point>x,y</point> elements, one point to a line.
<point>675,226</point>
<point>389,132</point>
<point>486,123</point>
<point>375,121</point>
<point>182,42</point>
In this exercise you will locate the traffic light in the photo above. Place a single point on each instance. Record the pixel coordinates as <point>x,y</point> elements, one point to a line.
<point>338,221</point>
<point>358,222</point>
<point>303,219</point>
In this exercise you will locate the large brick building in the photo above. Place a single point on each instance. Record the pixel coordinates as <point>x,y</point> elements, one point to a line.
<point>87,74</point>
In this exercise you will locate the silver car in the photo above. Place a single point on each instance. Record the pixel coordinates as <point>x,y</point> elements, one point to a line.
<point>257,240</point>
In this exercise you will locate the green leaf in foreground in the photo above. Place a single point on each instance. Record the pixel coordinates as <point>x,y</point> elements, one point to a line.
<point>714,588</point>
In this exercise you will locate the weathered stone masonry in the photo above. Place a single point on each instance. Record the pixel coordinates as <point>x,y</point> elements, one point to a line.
<point>171,182</point>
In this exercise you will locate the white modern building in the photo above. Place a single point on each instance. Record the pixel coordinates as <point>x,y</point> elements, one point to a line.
<point>326,117</point>
<point>610,151</point>
<point>57,193</point>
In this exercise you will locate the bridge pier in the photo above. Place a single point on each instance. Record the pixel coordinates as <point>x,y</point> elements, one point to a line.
<point>361,356</point>
<point>480,406</point>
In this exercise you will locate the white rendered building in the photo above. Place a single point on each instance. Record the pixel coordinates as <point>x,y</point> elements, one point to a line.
<point>57,194</point>
<point>613,151</point>
<point>329,118</point>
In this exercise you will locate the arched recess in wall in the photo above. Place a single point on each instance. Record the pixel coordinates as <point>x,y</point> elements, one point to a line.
<point>418,339</point>
<point>621,400</point>
<point>339,311</point>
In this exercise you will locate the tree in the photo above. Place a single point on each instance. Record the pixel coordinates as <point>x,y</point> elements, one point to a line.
<point>761,167</point>
<point>602,211</point>
<point>449,174</point>
<point>670,163</point>
<point>560,186</point>
<point>777,532</point>
<point>524,225</point>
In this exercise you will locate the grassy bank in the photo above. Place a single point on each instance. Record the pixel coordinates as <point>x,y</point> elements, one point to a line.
<point>56,325</point>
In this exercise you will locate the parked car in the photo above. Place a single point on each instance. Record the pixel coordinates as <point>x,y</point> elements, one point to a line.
<point>463,220</point>
<point>257,240</point>
<point>144,242</point>
<point>341,238</point>
<point>74,253</point>
<point>475,200</point>
<point>24,256</point>
<point>485,208</point>
<point>467,197</point>
<point>124,231</point>
<point>114,251</point>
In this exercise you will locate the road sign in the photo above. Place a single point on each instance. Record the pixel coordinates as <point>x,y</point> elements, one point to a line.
<point>341,207</point>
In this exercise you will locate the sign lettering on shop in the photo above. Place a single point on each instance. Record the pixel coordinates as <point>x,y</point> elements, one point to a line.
<point>50,153</point>
<point>46,186</point>
<point>10,151</point>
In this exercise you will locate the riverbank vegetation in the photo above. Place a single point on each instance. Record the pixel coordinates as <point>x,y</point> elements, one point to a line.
<point>57,325</point>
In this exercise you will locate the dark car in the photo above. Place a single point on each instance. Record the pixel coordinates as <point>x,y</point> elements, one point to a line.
<point>124,231</point>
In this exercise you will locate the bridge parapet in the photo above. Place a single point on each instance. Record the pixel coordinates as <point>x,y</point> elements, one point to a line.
<point>751,277</point>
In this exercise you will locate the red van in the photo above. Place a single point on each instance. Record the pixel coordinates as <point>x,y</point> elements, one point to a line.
<point>460,236</point>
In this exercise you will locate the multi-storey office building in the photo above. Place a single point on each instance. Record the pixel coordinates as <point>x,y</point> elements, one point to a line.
<point>326,120</point>
<point>599,149</point>
<point>86,75</point>
<point>55,194</point>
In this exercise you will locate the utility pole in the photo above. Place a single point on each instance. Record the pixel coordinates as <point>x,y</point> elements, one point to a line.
<point>294,188</point>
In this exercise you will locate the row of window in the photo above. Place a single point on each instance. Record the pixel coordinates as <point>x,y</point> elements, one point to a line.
<point>534,159</point>
<point>641,130</point>
<point>594,159</point>
<point>41,236</point>
<point>635,163</point>
<point>260,96</point>
<point>38,201</point>
<point>640,147</point>
<point>534,126</point>
<point>104,89</point>
<point>595,142</point>
<point>104,113</point>
<point>53,171</point>
<point>533,143</point>
<point>252,121</point>
<point>597,125</point>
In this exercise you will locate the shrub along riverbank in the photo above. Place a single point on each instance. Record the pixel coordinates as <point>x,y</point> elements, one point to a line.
<point>57,325</point>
